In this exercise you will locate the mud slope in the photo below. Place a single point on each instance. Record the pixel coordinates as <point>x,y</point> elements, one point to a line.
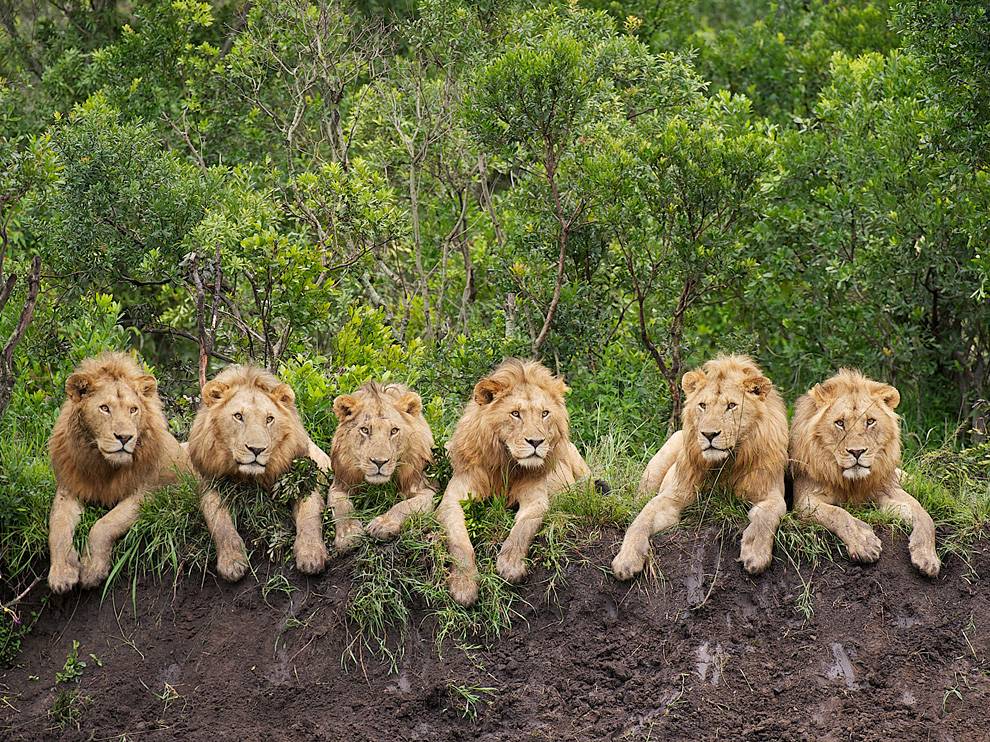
<point>708,654</point>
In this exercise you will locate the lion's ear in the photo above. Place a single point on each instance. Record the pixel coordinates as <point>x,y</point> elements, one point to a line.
<point>147,385</point>
<point>822,394</point>
<point>560,387</point>
<point>692,380</point>
<point>888,395</point>
<point>487,391</point>
<point>410,403</point>
<point>78,385</point>
<point>758,385</point>
<point>345,407</point>
<point>284,395</point>
<point>214,392</point>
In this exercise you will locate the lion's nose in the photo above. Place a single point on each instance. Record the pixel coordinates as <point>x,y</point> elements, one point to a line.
<point>535,442</point>
<point>380,462</point>
<point>123,438</point>
<point>856,452</point>
<point>711,435</point>
<point>256,450</point>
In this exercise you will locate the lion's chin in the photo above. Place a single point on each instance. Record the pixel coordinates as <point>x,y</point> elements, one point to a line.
<point>118,458</point>
<point>531,462</point>
<point>377,478</point>
<point>254,469</point>
<point>715,455</point>
<point>856,472</point>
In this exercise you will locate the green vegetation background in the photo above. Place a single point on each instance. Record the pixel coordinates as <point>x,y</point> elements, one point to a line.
<point>413,190</point>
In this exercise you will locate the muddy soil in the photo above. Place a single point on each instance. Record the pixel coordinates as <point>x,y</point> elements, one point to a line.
<point>708,653</point>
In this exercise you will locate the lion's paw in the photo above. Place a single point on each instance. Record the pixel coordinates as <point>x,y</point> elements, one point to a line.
<point>348,536</point>
<point>926,560</point>
<point>65,576</point>
<point>511,568</point>
<point>232,567</point>
<point>755,551</point>
<point>463,588</point>
<point>384,527</point>
<point>311,555</point>
<point>864,545</point>
<point>627,564</point>
<point>94,571</point>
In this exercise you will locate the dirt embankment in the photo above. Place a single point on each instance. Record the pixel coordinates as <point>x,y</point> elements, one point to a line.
<point>709,653</point>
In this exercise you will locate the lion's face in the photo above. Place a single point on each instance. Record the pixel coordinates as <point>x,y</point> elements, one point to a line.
<point>250,422</point>
<point>856,423</point>
<point>377,426</point>
<point>113,411</point>
<point>721,407</point>
<point>529,419</point>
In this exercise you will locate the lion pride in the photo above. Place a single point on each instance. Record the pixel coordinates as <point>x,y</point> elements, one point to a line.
<point>382,435</point>
<point>248,430</point>
<point>513,437</point>
<point>735,430</point>
<point>845,450</point>
<point>110,446</point>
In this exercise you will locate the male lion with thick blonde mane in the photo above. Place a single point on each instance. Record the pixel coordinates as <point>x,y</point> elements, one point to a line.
<point>513,437</point>
<point>382,435</point>
<point>734,430</point>
<point>846,450</point>
<point>248,430</point>
<point>110,446</point>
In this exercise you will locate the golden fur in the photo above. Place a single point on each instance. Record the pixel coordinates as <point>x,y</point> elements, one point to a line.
<point>845,449</point>
<point>513,437</point>
<point>110,446</point>
<point>248,429</point>
<point>383,435</point>
<point>735,429</point>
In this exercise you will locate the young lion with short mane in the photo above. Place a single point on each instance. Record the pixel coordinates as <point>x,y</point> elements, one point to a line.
<point>248,430</point>
<point>110,446</point>
<point>513,437</point>
<point>735,428</point>
<point>382,435</point>
<point>846,450</point>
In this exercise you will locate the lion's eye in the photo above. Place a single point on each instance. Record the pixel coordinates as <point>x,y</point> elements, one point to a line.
<point>515,414</point>
<point>104,408</point>
<point>840,424</point>
<point>731,406</point>
<point>365,431</point>
<point>133,410</point>
<point>870,422</point>
<point>394,431</point>
<point>270,419</point>
<point>239,417</point>
<point>546,414</point>
<point>702,405</point>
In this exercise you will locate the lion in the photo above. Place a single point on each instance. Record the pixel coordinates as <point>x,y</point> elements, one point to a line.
<point>513,436</point>
<point>110,446</point>
<point>845,449</point>
<point>734,428</point>
<point>247,429</point>
<point>382,434</point>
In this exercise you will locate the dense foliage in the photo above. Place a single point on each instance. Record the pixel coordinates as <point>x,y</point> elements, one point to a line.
<point>343,191</point>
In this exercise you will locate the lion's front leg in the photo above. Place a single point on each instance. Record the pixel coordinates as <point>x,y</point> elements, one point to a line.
<point>63,574</point>
<point>388,525</point>
<point>533,505</point>
<point>463,580</point>
<point>660,513</point>
<point>348,530</point>
<point>862,544</point>
<point>102,537</point>
<point>232,561</point>
<point>756,549</point>
<point>310,551</point>
<point>921,545</point>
